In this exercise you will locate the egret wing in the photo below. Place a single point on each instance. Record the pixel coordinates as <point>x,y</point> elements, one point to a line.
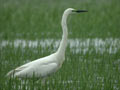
<point>47,69</point>
<point>18,69</point>
<point>37,70</point>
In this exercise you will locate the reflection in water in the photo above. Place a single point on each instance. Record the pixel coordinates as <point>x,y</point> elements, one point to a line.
<point>97,45</point>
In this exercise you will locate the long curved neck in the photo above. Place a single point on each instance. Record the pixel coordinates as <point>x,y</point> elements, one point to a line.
<point>63,43</point>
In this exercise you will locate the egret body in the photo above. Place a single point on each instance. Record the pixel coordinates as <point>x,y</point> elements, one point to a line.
<point>45,66</point>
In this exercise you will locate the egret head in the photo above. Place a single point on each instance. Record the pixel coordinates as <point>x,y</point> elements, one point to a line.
<point>71,10</point>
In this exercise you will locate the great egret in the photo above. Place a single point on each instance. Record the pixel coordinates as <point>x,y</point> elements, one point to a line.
<point>45,66</point>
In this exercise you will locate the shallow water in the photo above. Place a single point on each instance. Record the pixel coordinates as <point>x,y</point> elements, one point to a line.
<point>108,45</point>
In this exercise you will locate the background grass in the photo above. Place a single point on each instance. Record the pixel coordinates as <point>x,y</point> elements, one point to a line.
<point>40,19</point>
<point>19,19</point>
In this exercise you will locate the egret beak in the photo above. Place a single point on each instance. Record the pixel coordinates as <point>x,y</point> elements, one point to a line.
<point>79,11</point>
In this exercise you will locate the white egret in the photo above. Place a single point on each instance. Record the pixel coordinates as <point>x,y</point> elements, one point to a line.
<point>45,66</point>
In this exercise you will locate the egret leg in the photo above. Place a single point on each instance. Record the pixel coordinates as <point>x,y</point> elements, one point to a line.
<point>43,81</point>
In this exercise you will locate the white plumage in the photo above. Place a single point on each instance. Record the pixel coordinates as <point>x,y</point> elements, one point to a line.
<point>40,68</point>
<point>45,66</point>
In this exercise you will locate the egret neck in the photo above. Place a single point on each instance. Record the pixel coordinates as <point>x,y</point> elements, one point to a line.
<point>63,43</point>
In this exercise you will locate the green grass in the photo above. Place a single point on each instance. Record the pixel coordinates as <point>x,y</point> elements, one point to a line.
<point>19,19</point>
<point>39,19</point>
